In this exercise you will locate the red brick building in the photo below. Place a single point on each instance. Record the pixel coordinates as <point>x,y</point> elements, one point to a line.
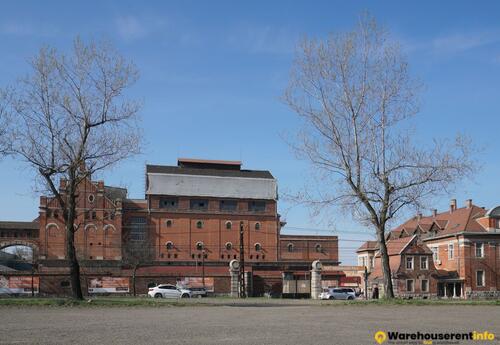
<point>465,248</point>
<point>187,226</point>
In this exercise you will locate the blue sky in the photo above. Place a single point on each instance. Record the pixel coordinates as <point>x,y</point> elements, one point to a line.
<point>213,72</point>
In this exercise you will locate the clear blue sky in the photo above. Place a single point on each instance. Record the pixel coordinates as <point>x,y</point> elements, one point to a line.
<point>212,73</point>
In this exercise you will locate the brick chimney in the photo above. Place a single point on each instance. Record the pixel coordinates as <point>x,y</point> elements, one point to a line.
<point>453,205</point>
<point>468,203</point>
<point>419,216</point>
<point>434,212</point>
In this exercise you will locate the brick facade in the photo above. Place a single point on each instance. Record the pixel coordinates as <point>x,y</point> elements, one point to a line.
<point>180,233</point>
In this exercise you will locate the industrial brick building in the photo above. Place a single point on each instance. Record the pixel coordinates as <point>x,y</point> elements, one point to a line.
<point>186,229</point>
<point>452,254</point>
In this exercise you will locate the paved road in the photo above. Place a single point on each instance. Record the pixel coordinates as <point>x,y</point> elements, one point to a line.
<point>275,324</point>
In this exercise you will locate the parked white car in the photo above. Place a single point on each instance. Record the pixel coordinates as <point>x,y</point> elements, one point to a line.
<point>168,291</point>
<point>338,293</point>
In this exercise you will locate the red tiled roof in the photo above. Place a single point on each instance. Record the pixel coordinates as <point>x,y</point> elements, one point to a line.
<point>461,219</point>
<point>368,245</point>
<point>394,247</point>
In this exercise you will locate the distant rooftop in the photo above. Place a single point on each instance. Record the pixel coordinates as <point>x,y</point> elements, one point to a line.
<point>206,167</point>
<point>208,164</point>
<point>211,178</point>
<point>8,225</point>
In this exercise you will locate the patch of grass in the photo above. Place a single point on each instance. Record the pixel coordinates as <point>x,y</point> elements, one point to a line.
<point>424,302</point>
<point>221,301</point>
<point>93,302</point>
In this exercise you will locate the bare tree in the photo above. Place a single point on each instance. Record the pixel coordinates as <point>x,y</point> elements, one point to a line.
<point>72,119</point>
<point>136,255</point>
<point>355,94</point>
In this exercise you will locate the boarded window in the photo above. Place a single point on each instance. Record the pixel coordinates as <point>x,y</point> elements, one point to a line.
<point>257,206</point>
<point>198,204</point>
<point>228,205</point>
<point>169,203</point>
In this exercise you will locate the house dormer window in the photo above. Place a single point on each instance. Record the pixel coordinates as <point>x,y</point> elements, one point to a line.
<point>424,263</point>
<point>409,262</point>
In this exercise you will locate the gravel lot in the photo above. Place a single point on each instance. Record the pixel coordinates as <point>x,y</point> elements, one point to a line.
<point>240,324</point>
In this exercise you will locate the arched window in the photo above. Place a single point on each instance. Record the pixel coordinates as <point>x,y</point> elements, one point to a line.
<point>169,245</point>
<point>318,248</point>
<point>257,226</point>
<point>229,246</point>
<point>258,247</point>
<point>168,223</point>
<point>229,225</point>
<point>199,245</point>
<point>199,224</point>
<point>290,247</point>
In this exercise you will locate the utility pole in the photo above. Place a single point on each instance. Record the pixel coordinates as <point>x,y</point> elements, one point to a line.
<point>242,263</point>
<point>203,267</point>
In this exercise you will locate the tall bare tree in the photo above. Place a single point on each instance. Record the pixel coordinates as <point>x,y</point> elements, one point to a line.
<point>72,119</point>
<point>355,94</point>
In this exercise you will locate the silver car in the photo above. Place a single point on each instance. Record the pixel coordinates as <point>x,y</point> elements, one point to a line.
<point>168,291</point>
<point>338,293</point>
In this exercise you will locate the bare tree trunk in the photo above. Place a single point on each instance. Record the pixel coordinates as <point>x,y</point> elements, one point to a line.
<point>386,268</point>
<point>74,266</point>
<point>133,279</point>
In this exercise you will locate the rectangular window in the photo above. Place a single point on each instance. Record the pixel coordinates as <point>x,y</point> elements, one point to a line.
<point>479,250</point>
<point>409,285</point>
<point>257,206</point>
<point>409,262</point>
<point>138,228</point>
<point>228,205</point>
<point>424,263</point>
<point>451,251</point>
<point>480,281</point>
<point>372,262</point>
<point>198,204</point>
<point>425,285</point>
<point>169,203</point>
<point>435,253</point>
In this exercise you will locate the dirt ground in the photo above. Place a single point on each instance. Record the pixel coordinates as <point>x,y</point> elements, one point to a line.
<point>239,324</point>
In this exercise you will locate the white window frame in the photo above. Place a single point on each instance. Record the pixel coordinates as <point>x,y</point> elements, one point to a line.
<point>422,285</point>
<point>422,260</point>
<point>451,250</point>
<point>412,285</point>
<point>435,253</point>
<point>372,262</point>
<point>412,263</point>
<point>483,282</point>
<point>482,249</point>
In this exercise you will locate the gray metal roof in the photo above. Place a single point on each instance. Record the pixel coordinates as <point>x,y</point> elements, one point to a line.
<point>166,169</point>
